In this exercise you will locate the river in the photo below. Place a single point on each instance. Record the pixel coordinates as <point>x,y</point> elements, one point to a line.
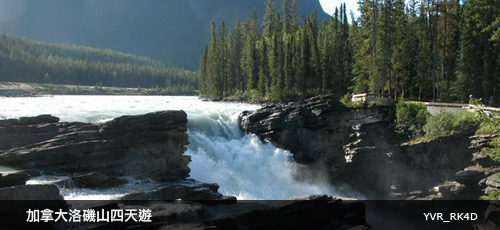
<point>240,163</point>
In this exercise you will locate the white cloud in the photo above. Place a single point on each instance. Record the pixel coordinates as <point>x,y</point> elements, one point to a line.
<point>329,6</point>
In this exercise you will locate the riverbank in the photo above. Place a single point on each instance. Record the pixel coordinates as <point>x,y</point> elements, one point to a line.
<point>20,89</point>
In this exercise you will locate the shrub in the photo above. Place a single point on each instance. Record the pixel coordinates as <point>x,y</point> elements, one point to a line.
<point>411,118</point>
<point>490,124</point>
<point>439,124</point>
<point>346,100</point>
<point>465,121</point>
<point>494,150</point>
<point>494,195</point>
<point>446,123</point>
<point>254,96</point>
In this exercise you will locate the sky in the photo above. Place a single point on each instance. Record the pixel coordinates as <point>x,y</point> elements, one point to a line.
<point>329,5</point>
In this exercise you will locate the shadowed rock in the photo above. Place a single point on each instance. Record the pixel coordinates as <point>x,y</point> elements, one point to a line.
<point>324,134</point>
<point>13,179</point>
<point>104,155</point>
<point>149,145</point>
<point>185,189</point>
<point>359,148</point>
<point>38,120</point>
<point>30,192</point>
<point>327,213</point>
<point>315,132</point>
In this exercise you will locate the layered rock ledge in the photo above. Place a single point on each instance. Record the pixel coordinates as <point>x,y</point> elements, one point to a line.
<point>149,146</point>
<point>358,148</point>
<point>316,132</point>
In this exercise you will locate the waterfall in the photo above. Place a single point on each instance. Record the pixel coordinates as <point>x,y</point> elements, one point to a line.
<point>240,163</point>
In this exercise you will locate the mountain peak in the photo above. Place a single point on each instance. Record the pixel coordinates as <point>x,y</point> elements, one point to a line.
<point>163,29</point>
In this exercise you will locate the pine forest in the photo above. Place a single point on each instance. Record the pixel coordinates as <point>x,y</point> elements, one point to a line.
<point>428,50</point>
<point>25,60</point>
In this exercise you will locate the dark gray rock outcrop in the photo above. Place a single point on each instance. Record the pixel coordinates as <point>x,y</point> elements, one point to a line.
<point>315,132</point>
<point>328,213</point>
<point>30,192</point>
<point>149,145</point>
<point>13,179</point>
<point>184,189</point>
<point>107,155</point>
<point>358,147</point>
<point>494,181</point>
<point>17,199</point>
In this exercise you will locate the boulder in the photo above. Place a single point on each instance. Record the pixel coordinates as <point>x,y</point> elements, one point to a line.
<point>469,177</point>
<point>8,122</point>
<point>184,189</point>
<point>494,181</point>
<point>493,212</point>
<point>17,201</point>
<point>448,190</point>
<point>13,179</point>
<point>298,214</point>
<point>484,160</point>
<point>42,119</point>
<point>97,180</point>
<point>329,213</point>
<point>30,192</point>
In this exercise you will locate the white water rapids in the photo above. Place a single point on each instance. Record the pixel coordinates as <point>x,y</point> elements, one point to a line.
<point>240,163</point>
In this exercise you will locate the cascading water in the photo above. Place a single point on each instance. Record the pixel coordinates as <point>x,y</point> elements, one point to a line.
<point>240,163</point>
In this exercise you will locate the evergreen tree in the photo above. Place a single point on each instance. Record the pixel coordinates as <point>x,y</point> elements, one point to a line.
<point>213,63</point>
<point>25,60</point>
<point>440,50</point>
<point>249,62</point>
<point>203,72</point>
<point>235,74</point>
<point>400,59</point>
<point>364,66</point>
<point>263,68</point>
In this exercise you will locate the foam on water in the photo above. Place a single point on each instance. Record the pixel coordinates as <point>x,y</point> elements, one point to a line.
<point>240,163</point>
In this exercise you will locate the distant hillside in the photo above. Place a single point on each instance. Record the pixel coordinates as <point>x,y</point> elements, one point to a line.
<point>174,30</point>
<point>25,60</point>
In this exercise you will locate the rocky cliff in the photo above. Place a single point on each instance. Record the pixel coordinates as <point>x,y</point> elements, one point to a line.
<point>358,148</point>
<point>151,144</point>
<point>102,155</point>
<point>315,132</point>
